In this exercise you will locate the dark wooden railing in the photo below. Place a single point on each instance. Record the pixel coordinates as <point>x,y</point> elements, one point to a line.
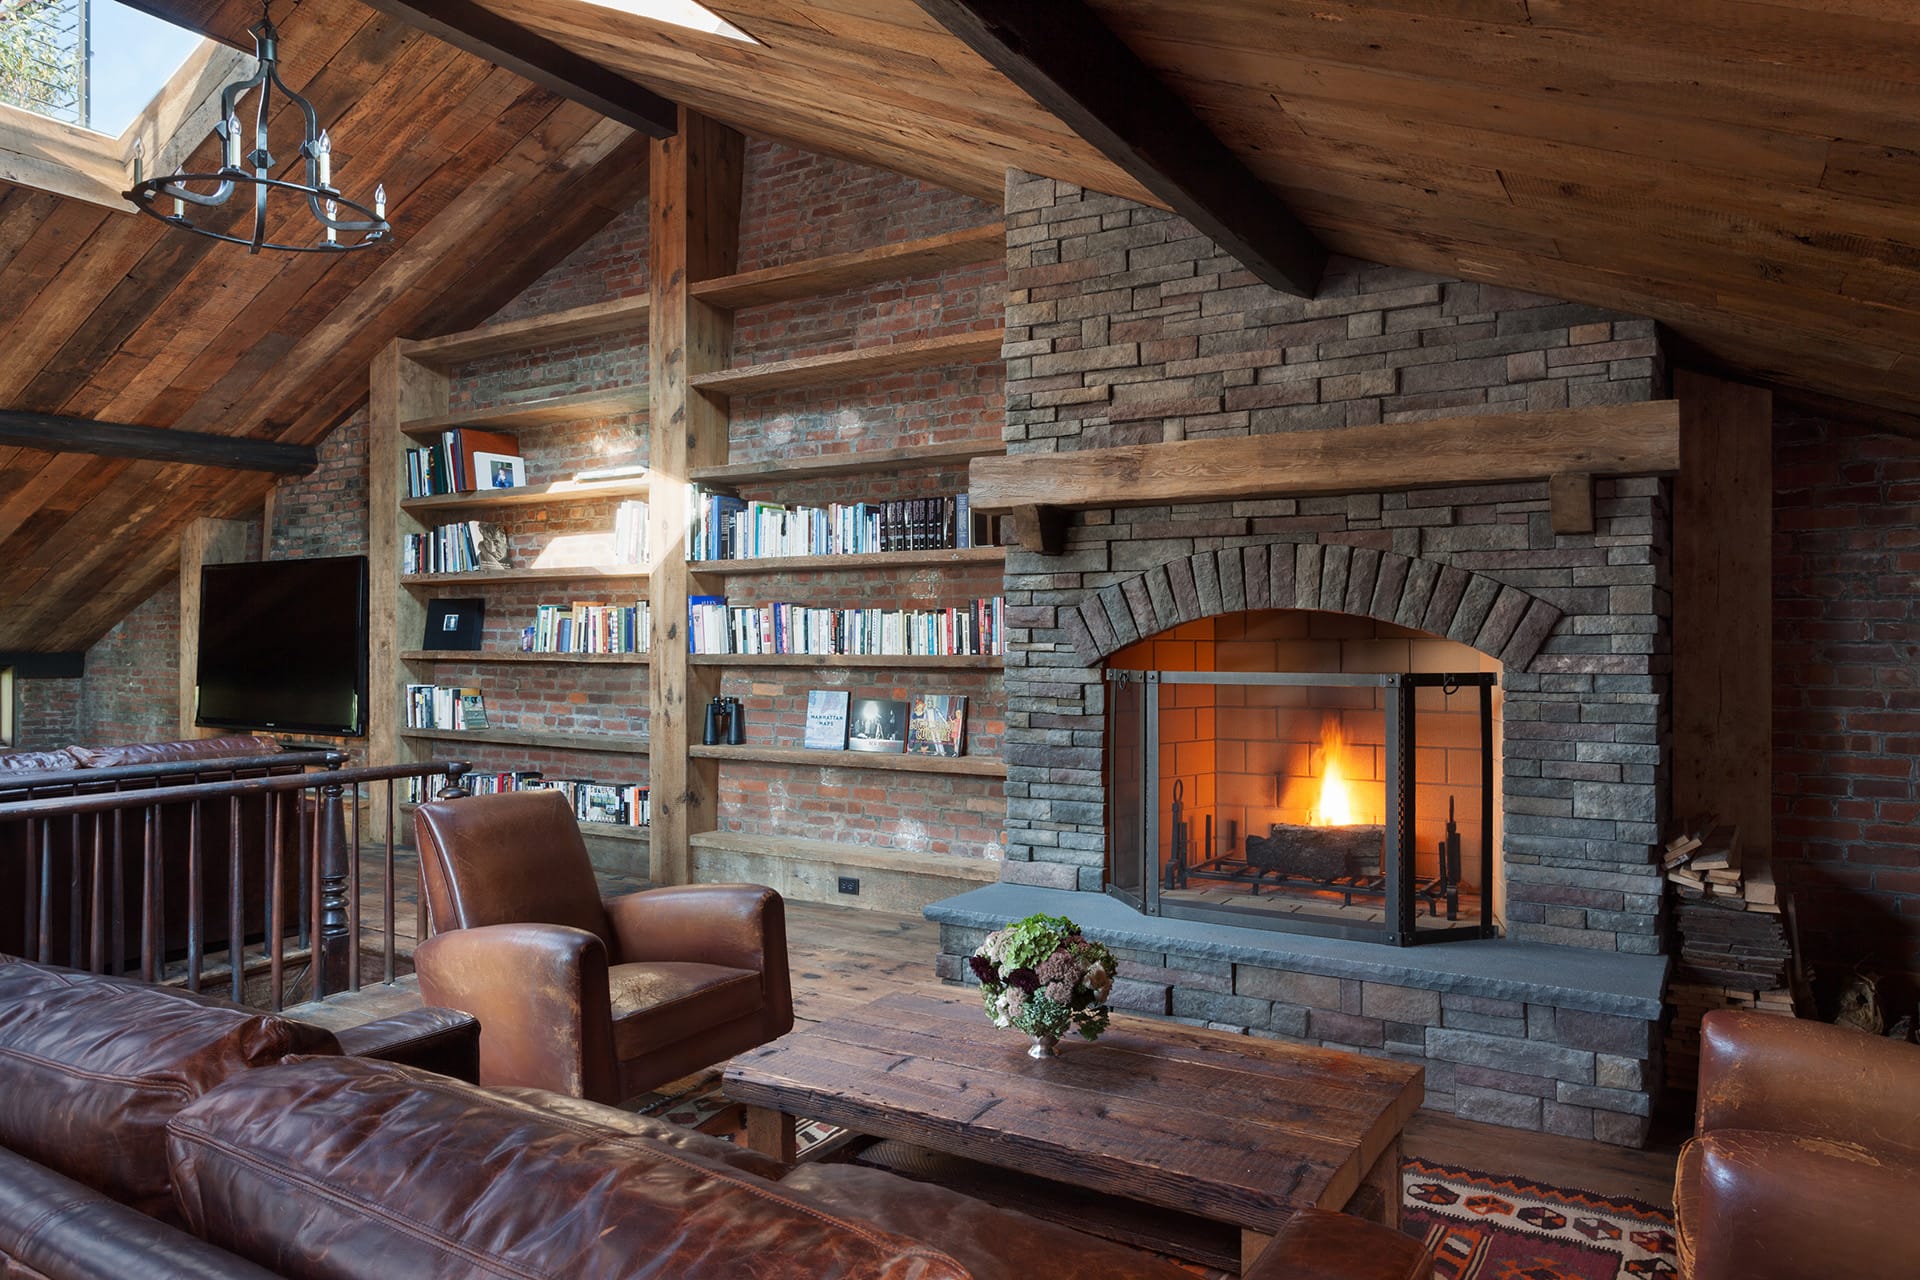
<point>88,846</point>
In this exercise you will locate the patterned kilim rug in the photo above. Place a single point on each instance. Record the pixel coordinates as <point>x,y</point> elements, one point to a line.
<point>1480,1226</point>
<point>1484,1227</point>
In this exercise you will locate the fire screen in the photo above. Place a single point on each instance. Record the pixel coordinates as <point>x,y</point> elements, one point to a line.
<point>1354,805</point>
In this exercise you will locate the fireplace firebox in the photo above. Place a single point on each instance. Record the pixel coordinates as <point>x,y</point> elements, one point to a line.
<point>1354,804</point>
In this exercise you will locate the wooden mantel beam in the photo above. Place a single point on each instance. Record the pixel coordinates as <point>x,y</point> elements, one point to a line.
<point>1606,440</point>
<point>466,25</point>
<point>53,433</point>
<point>1068,61</point>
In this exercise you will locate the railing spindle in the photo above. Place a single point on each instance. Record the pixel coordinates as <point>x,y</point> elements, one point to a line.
<point>353,896</point>
<point>150,868</point>
<point>277,907</point>
<point>98,942</point>
<point>393,946</point>
<point>76,897</point>
<point>117,944</point>
<point>236,905</point>
<point>196,899</point>
<point>43,939</point>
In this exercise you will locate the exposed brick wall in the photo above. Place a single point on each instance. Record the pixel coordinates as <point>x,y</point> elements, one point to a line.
<point>1846,700</point>
<point>46,713</point>
<point>133,677</point>
<point>1124,325</point>
<point>325,513</point>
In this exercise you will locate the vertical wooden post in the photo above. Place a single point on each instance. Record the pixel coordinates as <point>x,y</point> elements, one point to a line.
<point>332,949</point>
<point>694,235</point>
<point>206,541</point>
<point>399,390</point>
<point>1723,607</point>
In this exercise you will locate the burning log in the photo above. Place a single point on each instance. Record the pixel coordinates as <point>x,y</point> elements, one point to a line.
<point>1319,853</point>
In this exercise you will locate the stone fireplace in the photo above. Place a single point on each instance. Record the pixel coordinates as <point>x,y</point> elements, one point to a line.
<point>1127,327</point>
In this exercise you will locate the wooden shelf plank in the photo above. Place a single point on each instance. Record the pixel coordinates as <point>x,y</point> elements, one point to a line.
<point>849,366</point>
<point>535,413</point>
<point>852,661</point>
<point>1601,440</point>
<point>801,849</point>
<point>533,494</point>
<point>957,556</point>
<point>607,743</point>
<point>460,657</point>
<point>969,766</point>
<point>860,266</point>
<point>590,321</point>
<point>555,573</point>
<point>851,463</point>
<point>610,830</point>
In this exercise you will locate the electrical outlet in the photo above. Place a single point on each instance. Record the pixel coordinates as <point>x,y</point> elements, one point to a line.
<point>850,884</point>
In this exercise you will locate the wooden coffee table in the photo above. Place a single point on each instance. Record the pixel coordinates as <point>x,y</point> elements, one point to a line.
<point>1229,1128</point>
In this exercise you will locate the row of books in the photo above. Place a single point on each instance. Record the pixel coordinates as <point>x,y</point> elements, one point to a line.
<point>465,459</point>
<point>933,724</point>
<point>630,532</point>
<point>445,707</point>
<point>465,546</point>
<point>586,627</point>
<point>729,528</point>
<point>623,804</point>
<point>714,626</point>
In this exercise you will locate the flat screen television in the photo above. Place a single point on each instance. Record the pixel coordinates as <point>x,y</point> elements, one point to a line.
<point>283,646</point>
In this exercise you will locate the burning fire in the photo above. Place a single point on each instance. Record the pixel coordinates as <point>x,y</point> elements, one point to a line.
<point>1335,806</point>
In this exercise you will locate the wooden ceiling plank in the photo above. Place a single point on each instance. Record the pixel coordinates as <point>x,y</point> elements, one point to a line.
<point>553,67</point>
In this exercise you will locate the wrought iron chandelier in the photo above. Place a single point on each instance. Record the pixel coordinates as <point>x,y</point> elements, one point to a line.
<point>332,211</point>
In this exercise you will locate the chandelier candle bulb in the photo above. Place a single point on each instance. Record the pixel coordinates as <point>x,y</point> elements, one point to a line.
<point>325,150</point>
<point>380,202</point>
<point>233,142</point>
<point>333,211</point>
<point>139,149</point>
<point>179,205</point>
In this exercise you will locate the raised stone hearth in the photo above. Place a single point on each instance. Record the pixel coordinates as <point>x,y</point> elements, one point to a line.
<point>1126,327</point>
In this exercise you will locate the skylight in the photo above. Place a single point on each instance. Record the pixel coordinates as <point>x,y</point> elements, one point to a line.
<point>92,63</point>
<point>680,13</point>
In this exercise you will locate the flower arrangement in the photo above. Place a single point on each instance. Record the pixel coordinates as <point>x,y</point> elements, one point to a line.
<point>1044,977</point>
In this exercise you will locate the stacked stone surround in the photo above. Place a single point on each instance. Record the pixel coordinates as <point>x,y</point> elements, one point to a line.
<point>1125,326</point>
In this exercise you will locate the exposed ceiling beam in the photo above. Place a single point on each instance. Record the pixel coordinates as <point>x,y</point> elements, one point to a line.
<point>466,25</point>
<point>1067,60</point>
<point>53,433</point>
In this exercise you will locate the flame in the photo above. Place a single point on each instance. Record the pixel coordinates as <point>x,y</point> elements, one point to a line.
<point>1335,807</point>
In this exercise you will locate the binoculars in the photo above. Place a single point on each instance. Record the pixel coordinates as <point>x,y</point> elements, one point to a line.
<point>726,722</point>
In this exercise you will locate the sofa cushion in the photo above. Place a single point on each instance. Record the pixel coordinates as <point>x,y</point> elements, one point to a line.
<point>241,744</point>
<point>614,1120</point>
<point>94,1067</point>
<point>57,761</point>
<point>341,1167</point>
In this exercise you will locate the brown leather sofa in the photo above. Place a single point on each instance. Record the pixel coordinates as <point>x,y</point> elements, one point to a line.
<point>86,770</point>
<point>146,1134</point>
<point>598,998</point>
<point>1806,1155</point>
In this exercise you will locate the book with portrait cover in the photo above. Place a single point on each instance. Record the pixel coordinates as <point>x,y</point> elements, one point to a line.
<point>937,725</point>
<point>826,720</point>
<point>877,724</point>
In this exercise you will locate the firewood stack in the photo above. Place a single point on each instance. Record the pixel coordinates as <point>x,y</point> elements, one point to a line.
<point>1733,946</point>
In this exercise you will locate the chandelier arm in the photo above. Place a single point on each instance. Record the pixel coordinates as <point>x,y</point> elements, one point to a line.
<point>219,196</point>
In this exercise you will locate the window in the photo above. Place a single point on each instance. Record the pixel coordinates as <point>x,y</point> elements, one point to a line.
<point>680,13</point>
<point>92,63</point>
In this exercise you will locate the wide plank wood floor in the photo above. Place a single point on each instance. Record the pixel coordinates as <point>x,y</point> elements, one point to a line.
<point>843,957</point>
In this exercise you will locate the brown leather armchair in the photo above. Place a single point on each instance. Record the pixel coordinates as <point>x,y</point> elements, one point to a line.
<point>597,999</point>
<point>1806,1157</point>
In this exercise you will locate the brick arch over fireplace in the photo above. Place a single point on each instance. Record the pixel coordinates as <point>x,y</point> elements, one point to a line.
<point>1495,617</point>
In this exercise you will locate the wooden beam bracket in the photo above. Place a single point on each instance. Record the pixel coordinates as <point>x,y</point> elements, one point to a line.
<point>1040,528</point>
<point>1570,502</point>
<point>54,433</point>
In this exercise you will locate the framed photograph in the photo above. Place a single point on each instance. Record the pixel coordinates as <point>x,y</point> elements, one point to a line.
<point>877,724</point>
<point>454,624</point>
<point>826,720</point>
<point>498,470</point>
<point>938,725</point>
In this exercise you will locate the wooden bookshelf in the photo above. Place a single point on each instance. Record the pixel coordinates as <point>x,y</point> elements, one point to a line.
<point>950,556</point>
<point>553,573</point>
<point>462,657</point>
<point>528,495</point>
<point>608,744</point>
<point>854,661</point>
<point>841,271</point>
<point>855,462</point>
<point>964,766</point>
<point>853,365</point>
<point>509,336</point>
<point>609,830</point>
<point>534,413</point>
